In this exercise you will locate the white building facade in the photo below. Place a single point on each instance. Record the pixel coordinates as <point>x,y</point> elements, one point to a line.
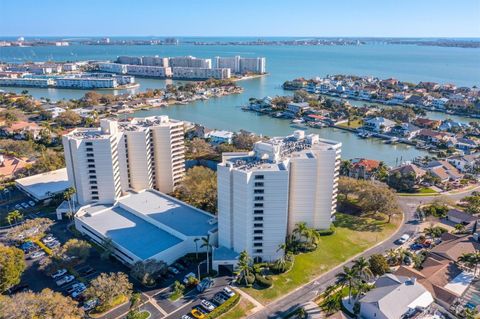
<point>263,194</point>
<point>104,163</point>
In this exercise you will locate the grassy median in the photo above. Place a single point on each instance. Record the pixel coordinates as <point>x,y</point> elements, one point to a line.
<point>353,235</point>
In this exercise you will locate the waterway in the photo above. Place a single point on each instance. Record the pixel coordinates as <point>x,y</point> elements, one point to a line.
<point>405,62</point>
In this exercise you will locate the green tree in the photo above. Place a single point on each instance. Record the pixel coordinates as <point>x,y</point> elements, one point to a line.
<point>135,300</point>
<point>14,216</point>
<point>76,248</point>
<point>68,196</point>
<point>471,260</point>
<point>108,287</point>
<point>378,264</point>
<point>46,304</point>
<point>379,200</point>
<point>472,204</point>
<point>12,265</point>
<point>148,271</point>
<point>199,188</point>
<point>362,266</point>
<point>206,243</point>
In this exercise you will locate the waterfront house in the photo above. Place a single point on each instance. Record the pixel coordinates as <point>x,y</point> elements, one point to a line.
<point>465,163</point>
<point>427,123</point>
<point>433,136</point>
<point>416,100</point>
<point>220,137</point>
<point>378,124</point>
<point>296,108</point>
<point>450,125</point>
<point>430,86</point>
<point>395,297</point>
<point>466,144</point>
<point>439,104</point>
<point>363,168</point>
<point>443,170</point>
<point>405,130</point>
<point>54,110</point>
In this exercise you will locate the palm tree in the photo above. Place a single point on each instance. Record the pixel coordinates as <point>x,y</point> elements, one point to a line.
<point>471,260</point>
<point>348,278</point>
<point>244,261</point>
<point>206,243</point>
<point>363,268</point>
<point>68,195</point>
<point>301,230</point>
<point>15,216</point>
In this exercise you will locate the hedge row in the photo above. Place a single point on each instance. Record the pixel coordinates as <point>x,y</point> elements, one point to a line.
<point>225,307</point>
<point>327,232</point>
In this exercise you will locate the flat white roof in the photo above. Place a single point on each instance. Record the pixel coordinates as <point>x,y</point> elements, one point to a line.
<point>40,186</point>
<point>460,283</point>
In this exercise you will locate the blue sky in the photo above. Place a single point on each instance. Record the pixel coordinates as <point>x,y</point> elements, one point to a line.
<point>389,18</point>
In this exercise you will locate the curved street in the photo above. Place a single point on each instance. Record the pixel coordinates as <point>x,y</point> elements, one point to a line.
<point>309,291</point>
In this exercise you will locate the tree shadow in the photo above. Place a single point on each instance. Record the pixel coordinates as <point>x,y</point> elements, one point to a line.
<point>360,224</point>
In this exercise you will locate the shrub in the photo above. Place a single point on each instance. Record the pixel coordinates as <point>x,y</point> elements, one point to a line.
<point>225,307</point>
<point>277,268</point>
<point>327,232</point>
<point>378,264</point>
<point>263,281</point>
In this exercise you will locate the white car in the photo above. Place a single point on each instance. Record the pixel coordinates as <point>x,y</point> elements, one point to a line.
<point>31,203</point>
<point>207,305</point>
<point>229,292</point>
<point>59,273</point>
<point>75,287</point>
<point>18,206</point>
<point>403,239</point>
<point>65,280</point>
<point>37,254</point>
<point>48,239</point>
<point>25,205</point>
<point>53,244</point>
<point>78,292</point>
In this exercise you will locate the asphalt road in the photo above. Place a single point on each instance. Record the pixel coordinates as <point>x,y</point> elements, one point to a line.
<point>291,301</point>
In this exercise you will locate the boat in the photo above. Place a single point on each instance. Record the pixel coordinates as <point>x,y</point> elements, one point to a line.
<point>298,121</point>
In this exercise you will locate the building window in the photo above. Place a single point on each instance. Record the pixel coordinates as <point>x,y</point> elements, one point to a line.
<point>258,218</point>
<point>89,149</point>
<point>92,176</point>
<point>89,155</point>
<point>257,245</point>
<point>90,160</point>
<point>258,184</point>
<point>91,166</point>
<point>258,204</point>
<point>258,231</point>
<point>259,251</point>
<point>258,238</point>
<point>93,187</point>
<point>258,191</point>
<point>95,193</point>
<point>92,171</point>
<point>94,197</point>
<point>259,177</point>
<point>88,143</point>
<point>258,211</point>
<point>258,197</point>
<point>257,225</point>
<point>93,182</point>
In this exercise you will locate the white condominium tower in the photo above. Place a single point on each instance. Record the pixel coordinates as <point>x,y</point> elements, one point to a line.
<point>264,193</point>
<point>241,65</point>
<point>103,163</point>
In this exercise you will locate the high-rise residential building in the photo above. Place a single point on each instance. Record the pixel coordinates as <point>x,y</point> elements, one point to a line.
<point>241,65</point>
<point>200,73</point>
<point>155,61</point>
<point>263,194</point>
<point>189,62</point>
<point>104,163</point>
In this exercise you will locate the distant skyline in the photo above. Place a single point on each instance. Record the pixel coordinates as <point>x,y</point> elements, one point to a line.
<point>255,18</point>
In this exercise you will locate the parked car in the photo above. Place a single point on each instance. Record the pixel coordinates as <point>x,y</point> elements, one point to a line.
<point>53,244</point>
<point>416,246</point>
<point>87,271</point>
<point>59,273</point>
<point>205,284</point>
<point>219,298</point>
<point>74,287</point>
<point>185,279</point>
<point>402,240</point>
<point>48,239</point>
<point>65,280</point>
<point>31,203</point>
<point>207,305</point>
<point>186,317</point>
<point>198,313</point>
<point>18,206</point>
<point>229,292</point>
<point>25,205</point>
<point>173,270</point>
<point>78,292</point>
<point>90,304</point>
<point>37,254</point>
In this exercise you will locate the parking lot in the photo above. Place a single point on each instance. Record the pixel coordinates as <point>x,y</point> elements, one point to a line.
<point>155,300</point>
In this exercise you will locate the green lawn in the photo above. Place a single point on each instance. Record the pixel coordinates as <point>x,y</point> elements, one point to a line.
<point>239,311</point>
<point>353,235</point>
<point>426,190</point>
<point>353,124</point>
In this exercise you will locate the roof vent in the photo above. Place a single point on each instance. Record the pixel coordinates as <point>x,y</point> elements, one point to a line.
<point>212,221</point>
